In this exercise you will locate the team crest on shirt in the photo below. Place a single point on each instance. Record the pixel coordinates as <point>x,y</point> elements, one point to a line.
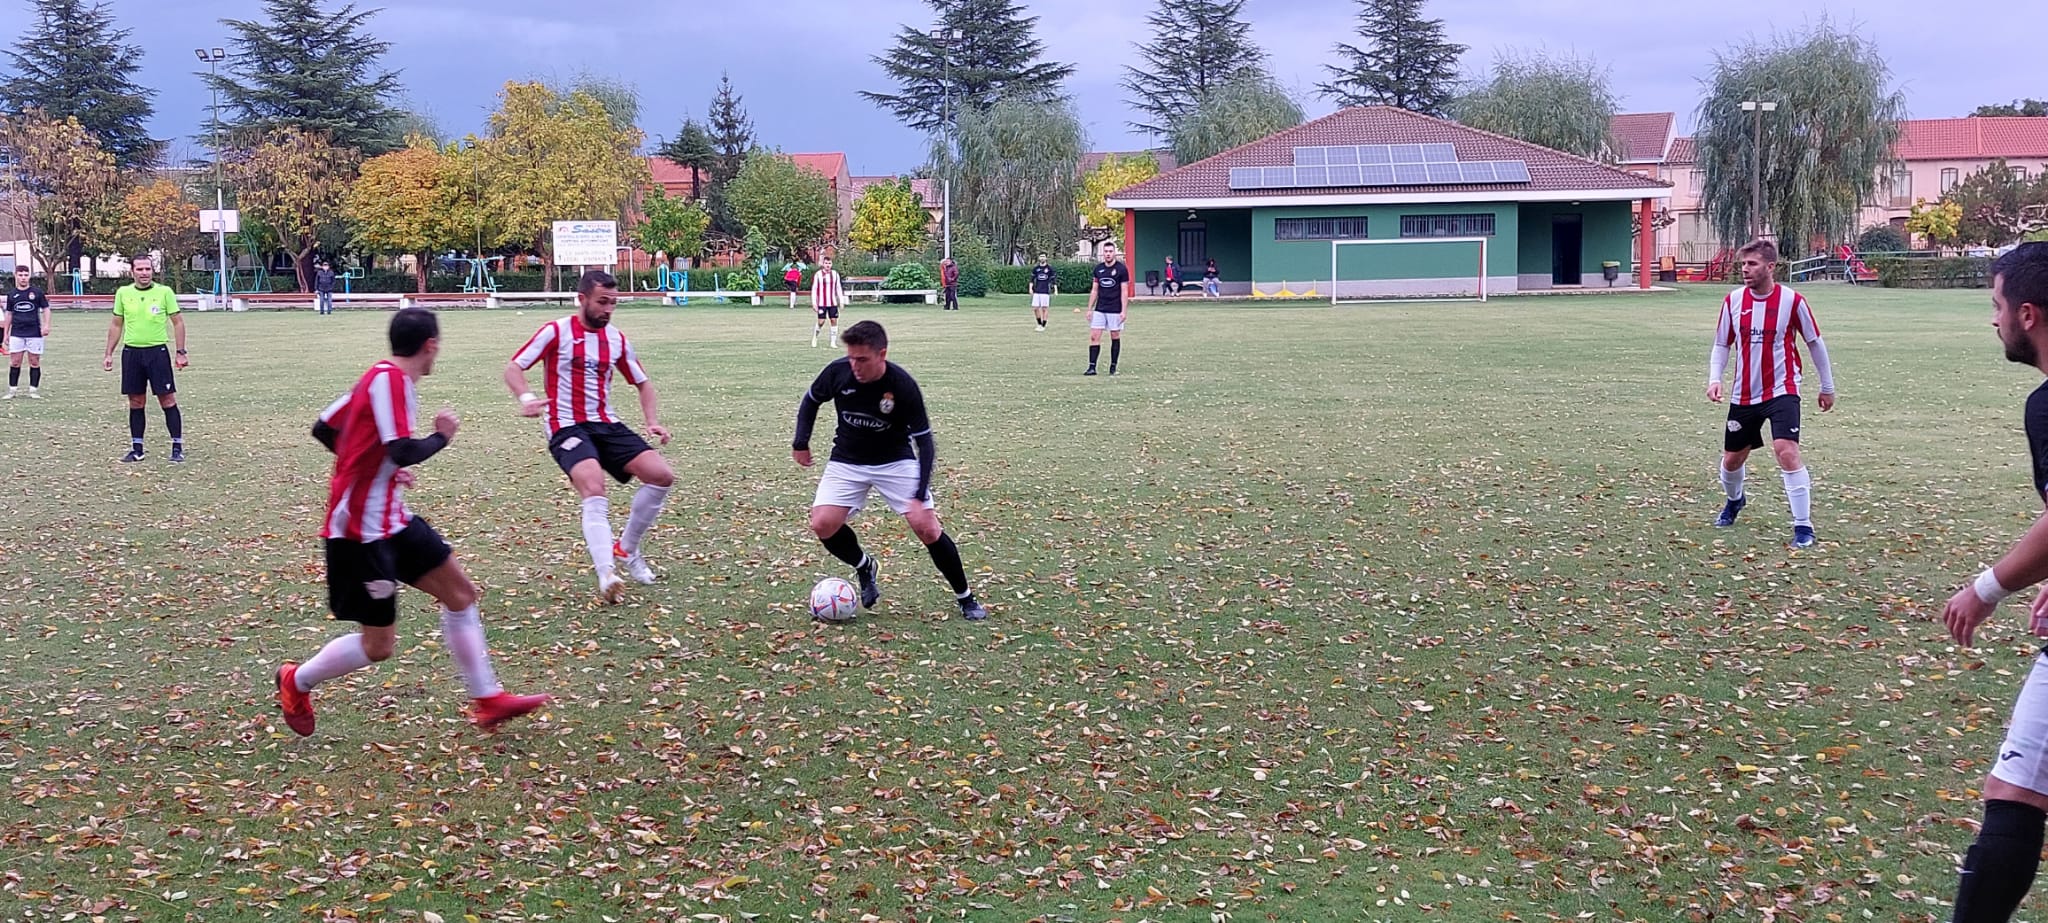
<point>888,404</point>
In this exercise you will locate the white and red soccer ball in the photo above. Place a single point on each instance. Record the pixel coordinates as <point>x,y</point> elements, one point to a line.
<point>834,600</point>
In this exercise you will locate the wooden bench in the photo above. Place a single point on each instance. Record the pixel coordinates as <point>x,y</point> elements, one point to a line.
<point>428,299</point>
<point>501,299</point>
<point>930,295</point>
<point>249,300</point>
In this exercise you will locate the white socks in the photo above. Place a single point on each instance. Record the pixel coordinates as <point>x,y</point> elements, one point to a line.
<point>341,656</point>
<point>464,635</point>
<point>1731,482</point>
<point>597,532</point>
<point>1799,494</point>
<point>647,503</point>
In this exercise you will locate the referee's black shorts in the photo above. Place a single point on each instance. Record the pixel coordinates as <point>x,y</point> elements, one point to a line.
<point>363,577</point>
<point>146,366</point>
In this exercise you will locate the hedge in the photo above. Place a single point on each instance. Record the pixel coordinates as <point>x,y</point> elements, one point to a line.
<point>1074,278</point>
<point>1942,272</point>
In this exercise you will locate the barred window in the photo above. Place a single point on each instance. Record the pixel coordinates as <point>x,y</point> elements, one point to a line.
<point>1447,225</point>
<point>1352,228</point>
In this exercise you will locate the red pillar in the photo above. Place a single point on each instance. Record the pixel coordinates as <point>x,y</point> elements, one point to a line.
<point>1131,252</point>
<point>1646,244</point>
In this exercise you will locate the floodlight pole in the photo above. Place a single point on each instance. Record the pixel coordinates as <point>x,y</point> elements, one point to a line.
<point>213,57</point>
<point>945,39</point>
<point>1756,169</point>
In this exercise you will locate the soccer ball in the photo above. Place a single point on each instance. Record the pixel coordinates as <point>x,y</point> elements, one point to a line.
<point>833,600</point>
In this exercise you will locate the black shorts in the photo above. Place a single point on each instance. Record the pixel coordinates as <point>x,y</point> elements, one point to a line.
<point>1746,422</point>
<point>146,366</point>
<point>363,577</point>
<point>613,445</point>
<point>792,283</point>
<point>828,310</point>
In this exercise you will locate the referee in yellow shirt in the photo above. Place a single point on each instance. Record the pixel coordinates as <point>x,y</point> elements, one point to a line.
<point>145,318</point>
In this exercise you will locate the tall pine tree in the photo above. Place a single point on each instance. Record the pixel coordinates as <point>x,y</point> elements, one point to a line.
<point>996,56</point>
<point>1406,60</point>
<point>731,134</point>
<point>73,62</point>
<point>691,149</point>
<point>1197,46</point>
<point>306,68</point>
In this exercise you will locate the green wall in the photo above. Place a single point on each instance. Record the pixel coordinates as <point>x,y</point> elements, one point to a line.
<point>1608,236</point>
<point>1309,260</point>
<point>1229,243</point>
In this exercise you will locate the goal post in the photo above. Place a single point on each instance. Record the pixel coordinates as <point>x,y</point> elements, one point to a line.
<point>1408,269</point>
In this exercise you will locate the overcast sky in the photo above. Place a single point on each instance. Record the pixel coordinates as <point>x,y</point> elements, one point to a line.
<point>799,63</point>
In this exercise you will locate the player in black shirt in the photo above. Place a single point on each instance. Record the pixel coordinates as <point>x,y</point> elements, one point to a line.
<point>881,418</point>
<point>1106,308</point>
<point>1045,283</point>
<point>2000,867</point>
<point>22,329</point>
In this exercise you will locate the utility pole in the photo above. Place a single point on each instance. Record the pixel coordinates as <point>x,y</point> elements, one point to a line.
<point>946,39</point>
<point>1756,168</point>
<point>213,57</point>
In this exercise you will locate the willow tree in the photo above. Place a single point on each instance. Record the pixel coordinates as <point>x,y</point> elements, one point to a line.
<point>1563,103</point>
<point>1239,112</point>
<point>1823,148</point>
<point>1013,178</point>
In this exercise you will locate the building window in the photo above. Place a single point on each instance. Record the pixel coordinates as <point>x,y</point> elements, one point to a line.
<point>1699,180</point>
<point>1902,187</point>
<point>1446,225</point>
<point>1950,176</point>
<point>1351,228</point>
<point>2019,174</point>
<point>1194,244</point>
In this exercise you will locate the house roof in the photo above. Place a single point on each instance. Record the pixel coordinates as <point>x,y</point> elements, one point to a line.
<point>667,172</point>
<point>1553,174</point>
<point>1641,137</point>
<point>830,166</point>
<point>1973,138</point>
<point>1683,151</point>
<point>918,184</point>
<point>1093,159</point>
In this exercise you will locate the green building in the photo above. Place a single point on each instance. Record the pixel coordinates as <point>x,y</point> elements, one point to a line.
<point>1269,212</point>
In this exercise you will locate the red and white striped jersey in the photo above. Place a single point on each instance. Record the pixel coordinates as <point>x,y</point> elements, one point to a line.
<point>1762,336</point>
<point>825,289</point>
<point>364,503</point>
<point>579,370</point>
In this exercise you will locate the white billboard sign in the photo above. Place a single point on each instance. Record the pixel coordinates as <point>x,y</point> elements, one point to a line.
<point>586,243</point>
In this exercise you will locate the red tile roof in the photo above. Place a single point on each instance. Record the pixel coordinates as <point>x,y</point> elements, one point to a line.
<point>674,178</point>
<point>829,166</point>
<point>1683,152</point>
<point>1972,138</point>
<point>1641,137</point>
<point>918,184</point>
<point>1549,171</point>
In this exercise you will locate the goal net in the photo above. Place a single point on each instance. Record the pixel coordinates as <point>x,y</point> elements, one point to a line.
<point>1408,269</point>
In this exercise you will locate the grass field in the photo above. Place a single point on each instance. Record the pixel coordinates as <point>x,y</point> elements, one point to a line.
<point>1378,613</point>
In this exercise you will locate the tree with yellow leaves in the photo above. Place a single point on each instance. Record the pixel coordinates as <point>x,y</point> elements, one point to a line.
<point>1941,223</point>
<point>293,182</point>
<point>62,186</point>
<point>553,157</point>
<point>160,217</point>
<point>890,217</point>
<point>409,201</point>
<point>1116,172</point>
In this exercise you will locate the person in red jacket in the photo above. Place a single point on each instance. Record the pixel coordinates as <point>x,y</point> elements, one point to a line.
<point>949,281</point>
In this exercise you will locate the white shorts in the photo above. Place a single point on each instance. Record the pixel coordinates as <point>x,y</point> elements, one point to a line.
<point>1041,300</point>
<point>1100,321</point>
<point>31,345</point>
<point>2023,757</point>
<point>848,485</point>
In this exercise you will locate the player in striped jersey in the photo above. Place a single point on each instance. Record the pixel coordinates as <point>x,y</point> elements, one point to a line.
<point>1761,324</point>
<point>827,296</point>
<point>1999,868</point>
<point>586,438</point>
<point>374,543</point>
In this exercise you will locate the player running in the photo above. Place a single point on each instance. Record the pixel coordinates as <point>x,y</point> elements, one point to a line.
<point>1759,326</point>
<point>881,417</point>
<point>586,438</point>
<point>374,543</point>
<point>22,328</point>
<point>1999,868</point>
<point>1045,283</point>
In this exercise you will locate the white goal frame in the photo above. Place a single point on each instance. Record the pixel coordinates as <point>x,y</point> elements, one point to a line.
<point>1336,246</point>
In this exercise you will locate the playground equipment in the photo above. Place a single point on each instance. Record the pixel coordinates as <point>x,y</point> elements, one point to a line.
<point>77,282</point>
<point>479,279</point>
<point>348,278</point>
<point>671,280</point>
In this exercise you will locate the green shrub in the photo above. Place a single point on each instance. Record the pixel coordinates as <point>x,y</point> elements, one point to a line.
<point>1071,277</point>
<point>910,276</point>
<point>1881,238</point>
<point>1946,272</point>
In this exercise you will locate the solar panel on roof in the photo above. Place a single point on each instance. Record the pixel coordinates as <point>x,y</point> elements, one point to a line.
<point>1511,171</point>
<point>1439,153</point>
<point>1444,173</point>
<point>1406,153</point>
<point>1410,174</point>
<point>1374,153</point>
<point>1309,156</point>
<point>1246,178</point>
<point>1476,171</point>
<point>1278,177</point>
<point>1347,175</point>
<point>1378,174</point>
<point>1343,154</point>
<point>1311,176</point>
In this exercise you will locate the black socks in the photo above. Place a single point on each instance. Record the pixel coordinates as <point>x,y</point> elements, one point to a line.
<point>1116,348</point>
<point>947,556</point>
<point>845,546</point>
<point>35,376</point>
<point>174,420</point>
<point>1094,352</point>
<point>137,422</point>
<point>13,375</point>
<point>2000,867</point>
